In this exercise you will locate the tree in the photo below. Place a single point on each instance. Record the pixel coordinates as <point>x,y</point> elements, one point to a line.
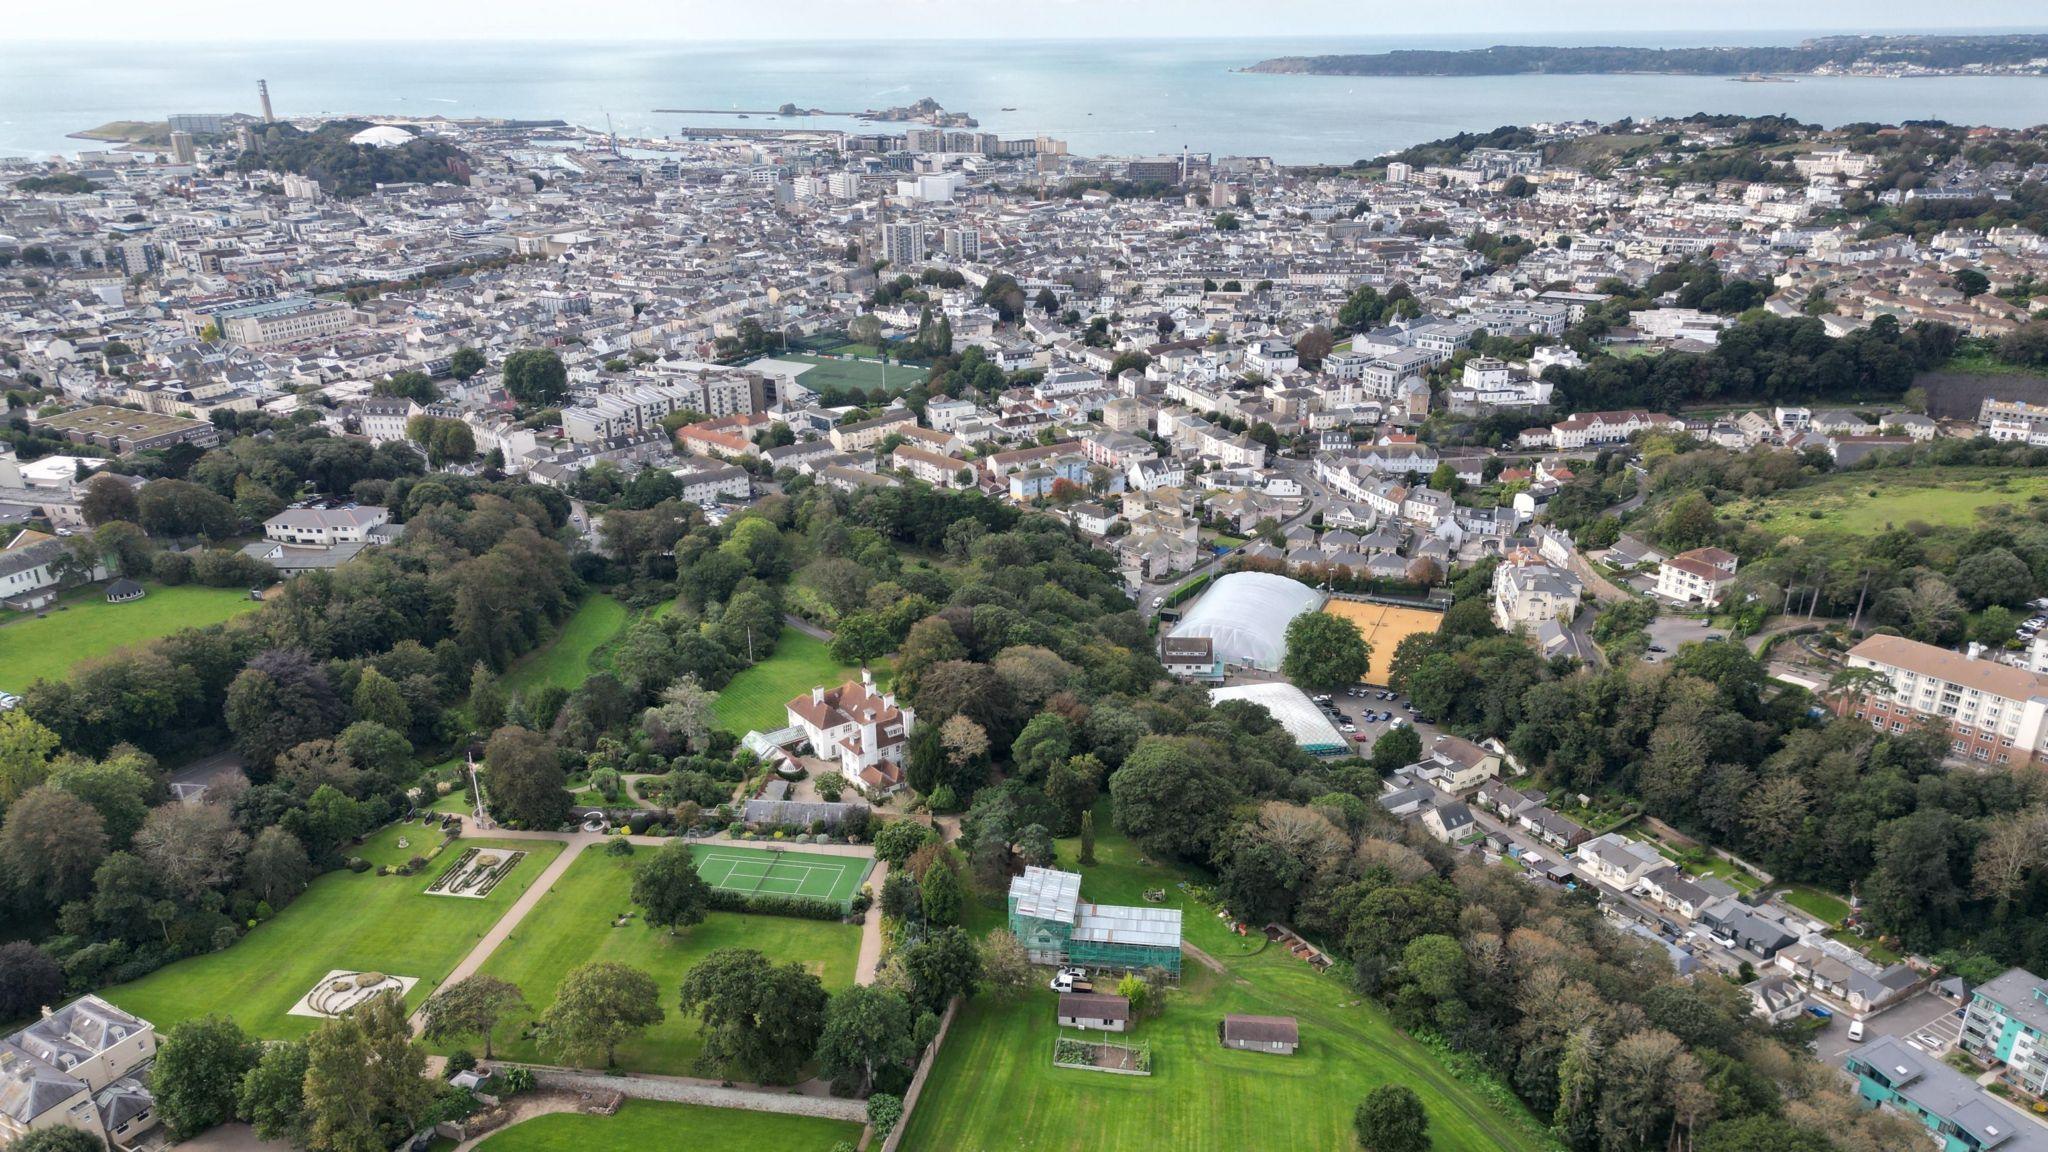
<point>865,328</point>
<point>179,508</point>
<point>523,778</point>
<point>536,376</point>
<point>191,847</point>
<point>281,700</point>
<point>966,742</point>
<point>58,1138</point>
<point>51,843</point>
<point>470,1007</point>
<point>898,839</point>
<point>198,1075</point>
<point>25,750</point>
<point>1688,523</point>
<point>1971,283</point>
<point>30,979</point>
<point>1169,795</point>
<point>378,700</point>
<point>859,637</point>
<point>669,889</point>
<point>925,762</point>
<point>272,1097</point>
<point>1047,740</point>
<point>364,1090</point>
<point>684,719</point>
<point>1993,576</point>
<point>1314,346</point>
<point>415,386</point>
<point>867,1028</point>
<point>486,697</point>
<point>1005,966</point>
<point>465,362</point>
<point>941,965</point>
<point>1325,652</point>
<point>941,893</point>
<point>109,498</point>
<point>761,1019</point>
<point>1087,857</point>
<point>277,869</point>
<point>597,1006</point>
<point>1046,301</point>
<point>1391,1119</point>
<point>1395,748</point>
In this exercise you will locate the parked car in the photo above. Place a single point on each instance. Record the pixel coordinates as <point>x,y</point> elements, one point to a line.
<point>1818,1012</point>
<point>1856,1031</point>
<point>1360,737</point>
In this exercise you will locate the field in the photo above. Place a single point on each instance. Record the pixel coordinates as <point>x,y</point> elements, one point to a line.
<point>760,872</point>
<point>34,649</point>
<point>1866,503</point>
<point>1820,905</point>
<point>642,1124</point>
<point>566,660</point>
<point>864,374</point>
<point>1384,626</point>
<point>756,698</point>
<point>344,920</point>
<point>994,1086</point>
<point>573,924</point>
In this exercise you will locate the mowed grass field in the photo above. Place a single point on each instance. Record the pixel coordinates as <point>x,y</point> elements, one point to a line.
<point>359,922</point>
<point>566,660</point>
<point>48,648</point>
<point>994,1088</point>
<point>757,698</point>
<point>572,925</point>
<point>642,1124</point>
<point>1867,503</point>
<point>856,373</point>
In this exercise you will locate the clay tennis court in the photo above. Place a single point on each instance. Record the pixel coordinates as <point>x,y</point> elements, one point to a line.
<point>1384,626</point>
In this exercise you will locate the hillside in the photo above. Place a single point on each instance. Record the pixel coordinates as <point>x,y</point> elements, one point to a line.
<point>1826,54</point>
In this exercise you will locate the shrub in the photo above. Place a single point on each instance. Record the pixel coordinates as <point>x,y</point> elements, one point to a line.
<point>461,1060</point>
<point>513,1081</point>
<point>618,846</point>
<point>358,864</point>
<point>725,900</point>
<point>884,1111</point>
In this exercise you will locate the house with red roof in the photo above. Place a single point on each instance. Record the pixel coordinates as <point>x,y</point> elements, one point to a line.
<point>859,728</point>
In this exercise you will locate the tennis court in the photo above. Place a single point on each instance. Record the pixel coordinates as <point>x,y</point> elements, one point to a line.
<point>770,872</point>
<point>1384,627</point>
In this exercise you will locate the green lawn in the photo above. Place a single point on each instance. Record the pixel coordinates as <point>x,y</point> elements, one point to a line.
<point>866,374</point>
<point>756,698</point>
<point>383,847</point>
<point>572,924</point>
<point>1866,503</point>
<point>567,659</point>
<point>644,1124</point>
<point>994,1086</point>
<point>86,626</point>
<point>345,920</point>
<point>1820,905</point>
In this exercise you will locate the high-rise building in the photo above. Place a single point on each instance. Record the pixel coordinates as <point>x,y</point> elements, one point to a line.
<point>903,243</point>
<point>182,150</point>
<point>962,243</point>
<point>844,185</point>
<point>263,90</point>
<point>924,140</point>
<point>199,123</point>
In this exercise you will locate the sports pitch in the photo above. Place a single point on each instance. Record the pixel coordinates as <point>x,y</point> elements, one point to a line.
<point>1384,626</point>
<point>764,872</point>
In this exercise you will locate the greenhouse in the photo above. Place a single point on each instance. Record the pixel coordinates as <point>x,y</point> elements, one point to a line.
<point>1055,927</point>
<point>1245,615</point>
<point>1295,712</point>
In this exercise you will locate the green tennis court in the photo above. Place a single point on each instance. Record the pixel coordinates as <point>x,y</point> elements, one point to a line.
<point>768,872</point>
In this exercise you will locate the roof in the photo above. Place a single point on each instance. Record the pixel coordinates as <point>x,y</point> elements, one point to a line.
<point>1262,1029</point>
<point>1948,1094</point>
<point>1247,614</point>
<point>1118,924</point>
<point>29,1087</point>
<point>1927,660</point>
<point>1095,1006</point>
<point>1289,705</point>
<point>1047,894</point>
<point>2017,991</point>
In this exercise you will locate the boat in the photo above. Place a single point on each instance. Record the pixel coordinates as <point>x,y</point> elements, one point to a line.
<point>1008,109</point>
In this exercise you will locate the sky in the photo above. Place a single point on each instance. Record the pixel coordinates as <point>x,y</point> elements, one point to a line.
<point>1519,21</point>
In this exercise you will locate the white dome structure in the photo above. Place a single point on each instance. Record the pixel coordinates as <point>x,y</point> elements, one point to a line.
<point>382,136</point>
<point>1245,616</point>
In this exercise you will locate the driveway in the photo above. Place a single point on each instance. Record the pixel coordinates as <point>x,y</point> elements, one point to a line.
<point>1924,1022</point>
<point>1668,632</point>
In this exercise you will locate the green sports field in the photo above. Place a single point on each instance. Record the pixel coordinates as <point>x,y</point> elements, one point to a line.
<point>353,921</point>
<point>764,872</point>
<point>757,698</point>
<point>642,1124</point>
<point>994,1088</point>
<point>867,374</point>
<point>87,626</point>
<point>567,660</point>
<point>576,922</point>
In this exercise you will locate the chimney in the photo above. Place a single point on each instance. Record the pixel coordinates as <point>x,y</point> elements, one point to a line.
<point>818,695</point>
<point>1975,651</point>
<point>867,678</point>
<point>888,699</point>
<point>48,1012</point>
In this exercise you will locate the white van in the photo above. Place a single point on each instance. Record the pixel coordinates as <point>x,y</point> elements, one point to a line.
<point>1856,1031</point>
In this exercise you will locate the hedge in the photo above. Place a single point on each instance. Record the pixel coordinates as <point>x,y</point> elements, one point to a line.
<point>725,900</point>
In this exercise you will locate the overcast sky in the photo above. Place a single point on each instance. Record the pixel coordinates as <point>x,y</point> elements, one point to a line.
<point>1524,21</point>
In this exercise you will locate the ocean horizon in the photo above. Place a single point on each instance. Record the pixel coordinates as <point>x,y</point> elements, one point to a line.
<point>1108,97</point>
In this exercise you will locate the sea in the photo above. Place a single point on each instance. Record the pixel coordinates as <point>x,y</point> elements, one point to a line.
<point>1114,97</point>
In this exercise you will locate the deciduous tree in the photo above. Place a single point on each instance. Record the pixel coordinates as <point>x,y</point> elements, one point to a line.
<point>597,1006</point>
<point>760,1019</point>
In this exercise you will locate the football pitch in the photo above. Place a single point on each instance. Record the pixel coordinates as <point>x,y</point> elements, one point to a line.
<point>766,872</point>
